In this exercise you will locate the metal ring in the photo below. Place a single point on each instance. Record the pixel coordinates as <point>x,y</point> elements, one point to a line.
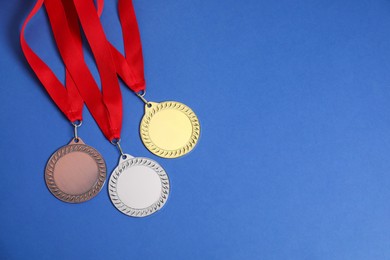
<point>141,93</point>
<point>77,123</point>
<point>115,141</point>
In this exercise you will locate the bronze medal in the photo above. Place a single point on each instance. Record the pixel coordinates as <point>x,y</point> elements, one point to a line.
<point>76,172</point>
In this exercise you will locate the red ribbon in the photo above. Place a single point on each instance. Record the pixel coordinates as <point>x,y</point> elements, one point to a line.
<point>105,106</point>
<point>131,66</point>
<point>67,99</point>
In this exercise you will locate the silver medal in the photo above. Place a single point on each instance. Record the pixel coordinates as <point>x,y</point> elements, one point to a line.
<point>138,187</point>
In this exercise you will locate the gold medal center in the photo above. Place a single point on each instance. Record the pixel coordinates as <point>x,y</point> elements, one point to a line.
<point>170,129</point>
<point>75,173</point>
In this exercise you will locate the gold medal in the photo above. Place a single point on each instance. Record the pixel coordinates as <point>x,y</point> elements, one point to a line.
<point>169,129</point>
<point>76,172</point>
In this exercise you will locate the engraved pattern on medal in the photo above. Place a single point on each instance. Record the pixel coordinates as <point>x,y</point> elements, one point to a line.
<point>75,198</point>
<point>135,212</point>
<point>145,129</point>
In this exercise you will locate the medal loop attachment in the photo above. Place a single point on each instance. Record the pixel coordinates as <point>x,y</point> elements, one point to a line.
<point>141,94</point>
<point>116,142</point>
<point>76,125</point>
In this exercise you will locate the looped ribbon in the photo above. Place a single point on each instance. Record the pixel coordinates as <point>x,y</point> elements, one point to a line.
<point>106,105</point>
<point>65,18</point>
<point>130,67</point>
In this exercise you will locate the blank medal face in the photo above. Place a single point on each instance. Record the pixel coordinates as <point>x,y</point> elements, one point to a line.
<point>138,186</point>
<point>169,129</point>
<point>75,173</point>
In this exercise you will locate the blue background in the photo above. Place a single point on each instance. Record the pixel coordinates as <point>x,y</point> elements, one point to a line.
<point>293,161</point>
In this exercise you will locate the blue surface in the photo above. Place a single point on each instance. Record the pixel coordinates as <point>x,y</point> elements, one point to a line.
<point>293,161</point>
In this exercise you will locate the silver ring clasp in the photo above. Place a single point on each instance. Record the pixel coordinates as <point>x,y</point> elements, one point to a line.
<point>141,94</point>
<point>76,125</point>
<point>116,142</point>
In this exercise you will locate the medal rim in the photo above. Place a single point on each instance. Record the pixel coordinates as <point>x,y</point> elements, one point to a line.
<point>151,146</point>
<point>63,151</point>
<point>135,212</point>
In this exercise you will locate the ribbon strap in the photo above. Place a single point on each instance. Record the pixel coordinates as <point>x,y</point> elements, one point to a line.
<point>68,100</point>
<point>131,66</point>
<point>133,47</point>
<point>106,107</point>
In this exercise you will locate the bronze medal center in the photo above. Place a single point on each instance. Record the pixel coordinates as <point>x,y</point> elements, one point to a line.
<point>76,173</point>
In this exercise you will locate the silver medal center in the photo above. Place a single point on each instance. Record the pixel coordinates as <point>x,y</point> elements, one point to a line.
<point>138,186</point>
